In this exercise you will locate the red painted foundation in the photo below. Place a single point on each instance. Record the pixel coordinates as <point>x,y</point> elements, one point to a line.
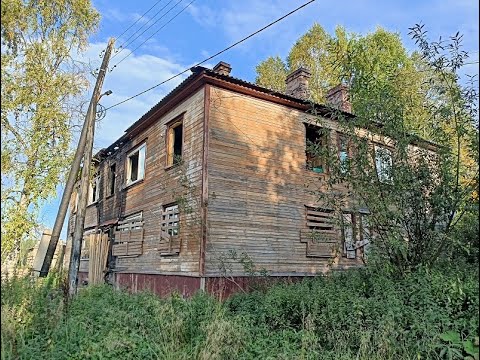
<point>162,285</point>
<point>186,286</point>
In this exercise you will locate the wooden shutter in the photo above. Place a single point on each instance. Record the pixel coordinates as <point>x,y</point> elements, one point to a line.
<point>129,237</point>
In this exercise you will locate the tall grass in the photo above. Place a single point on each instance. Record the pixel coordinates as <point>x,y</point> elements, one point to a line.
<point>360,314</point>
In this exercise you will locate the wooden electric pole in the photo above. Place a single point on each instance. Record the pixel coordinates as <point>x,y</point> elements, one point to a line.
<point>85,176</point>
<point>72,176</point>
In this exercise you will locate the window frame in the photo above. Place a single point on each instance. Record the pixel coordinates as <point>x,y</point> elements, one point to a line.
<point>344,139</point>
<point>94,197</point>
<point>383,177</point>
<point>112,179</point>
<point>142,148</point>
<point>325,139</point>
<point>165,208</point>
<point>170,160</point>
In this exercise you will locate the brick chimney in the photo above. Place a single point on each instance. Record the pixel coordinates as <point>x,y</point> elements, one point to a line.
<point>222,68</point>
<point>338,98</point>
<point>297,83</point>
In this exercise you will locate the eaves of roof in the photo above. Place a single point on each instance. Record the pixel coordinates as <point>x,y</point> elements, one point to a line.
<point>201,76</point>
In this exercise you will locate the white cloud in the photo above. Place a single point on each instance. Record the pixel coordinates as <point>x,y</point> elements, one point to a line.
<point>132,76</point>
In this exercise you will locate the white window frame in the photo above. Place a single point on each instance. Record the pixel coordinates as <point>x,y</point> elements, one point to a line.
<point>93,198</point>
<point>383,163</point>
<point>141,150</point>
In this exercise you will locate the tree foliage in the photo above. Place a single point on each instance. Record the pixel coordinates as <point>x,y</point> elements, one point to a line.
<point>415,208</point>
<point>347,58</point>
<point>41,84</point>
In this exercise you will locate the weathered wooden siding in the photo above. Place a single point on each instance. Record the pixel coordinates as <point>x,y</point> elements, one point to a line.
<point>159,187</point>
<point>257,180</point>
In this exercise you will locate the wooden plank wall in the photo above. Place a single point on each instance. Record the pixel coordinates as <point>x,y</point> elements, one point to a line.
<point>257,186</point>
<point>160,187</point>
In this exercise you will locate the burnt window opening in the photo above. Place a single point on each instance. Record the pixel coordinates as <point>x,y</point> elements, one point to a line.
<point>175,143</point>
<point>134,167</point>
<point>113,174</point>
<point>94,190</point>
<point>316,145</point>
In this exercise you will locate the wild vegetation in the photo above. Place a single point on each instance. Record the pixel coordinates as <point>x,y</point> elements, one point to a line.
<point>430,313</point>
<point>416,299</point>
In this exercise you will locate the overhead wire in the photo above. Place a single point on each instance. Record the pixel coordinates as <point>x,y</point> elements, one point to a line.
<point>213,56</point>
<point>141,17</point>
<point>156,32</point>
<point>127,43</point>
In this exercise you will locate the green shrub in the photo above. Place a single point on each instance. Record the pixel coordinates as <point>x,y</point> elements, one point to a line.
<point>357,314</point>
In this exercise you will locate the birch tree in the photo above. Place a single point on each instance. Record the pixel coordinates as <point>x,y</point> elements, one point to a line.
<point>41,88</point>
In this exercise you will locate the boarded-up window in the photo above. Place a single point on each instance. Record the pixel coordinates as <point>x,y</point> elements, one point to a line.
<point>85,250</point>
<point>129,236</point>
<point>170,240</point>
<point>321,236</point>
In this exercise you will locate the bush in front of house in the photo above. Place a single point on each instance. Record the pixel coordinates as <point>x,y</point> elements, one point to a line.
<point>358,314</point>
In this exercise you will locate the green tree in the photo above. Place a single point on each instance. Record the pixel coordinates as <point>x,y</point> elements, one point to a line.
<point>271,73</point>
<point>345,58</point>
<point>416,196</point>
<point>41,88</point>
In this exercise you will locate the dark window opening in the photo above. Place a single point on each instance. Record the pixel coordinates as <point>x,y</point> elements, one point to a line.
<point>94,191</point>
<point>133,167</point>
<point>174,143</point>
<point>316,141</point>
<point>113,168</point>
<point>177,143</point>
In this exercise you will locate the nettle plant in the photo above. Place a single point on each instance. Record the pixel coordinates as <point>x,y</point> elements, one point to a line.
<point>414,191</point>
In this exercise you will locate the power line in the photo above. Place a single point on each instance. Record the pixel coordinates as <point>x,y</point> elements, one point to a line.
<point>141,17</point>
<point>155,31</point>
<point>126,42</point>
<point>214,55</point>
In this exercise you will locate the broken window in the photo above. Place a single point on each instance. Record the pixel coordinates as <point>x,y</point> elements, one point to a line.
<point>94,190</point>
<point>136,165</point>
<point>170,220</point>
<point>170,230</point>
<point>174,143</point>
<point>356,233</point>
<point>383,163</point>
<point>348,230</point>
<point>316,145</point>
<point>112,177</point>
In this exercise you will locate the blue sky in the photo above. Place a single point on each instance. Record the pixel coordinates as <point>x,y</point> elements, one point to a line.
<point>208,26</point>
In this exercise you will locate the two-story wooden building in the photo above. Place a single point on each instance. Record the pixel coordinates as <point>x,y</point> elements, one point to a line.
<point>218,170</point>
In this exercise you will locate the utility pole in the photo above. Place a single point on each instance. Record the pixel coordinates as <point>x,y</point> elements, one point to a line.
<point>85,177</point>
<point>72,175</point>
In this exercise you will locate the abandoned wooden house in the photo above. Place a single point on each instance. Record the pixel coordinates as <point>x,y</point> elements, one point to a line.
<point>218,169</point>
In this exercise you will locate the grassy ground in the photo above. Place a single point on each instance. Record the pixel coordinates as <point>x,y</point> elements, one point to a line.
<point>360,314</point>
